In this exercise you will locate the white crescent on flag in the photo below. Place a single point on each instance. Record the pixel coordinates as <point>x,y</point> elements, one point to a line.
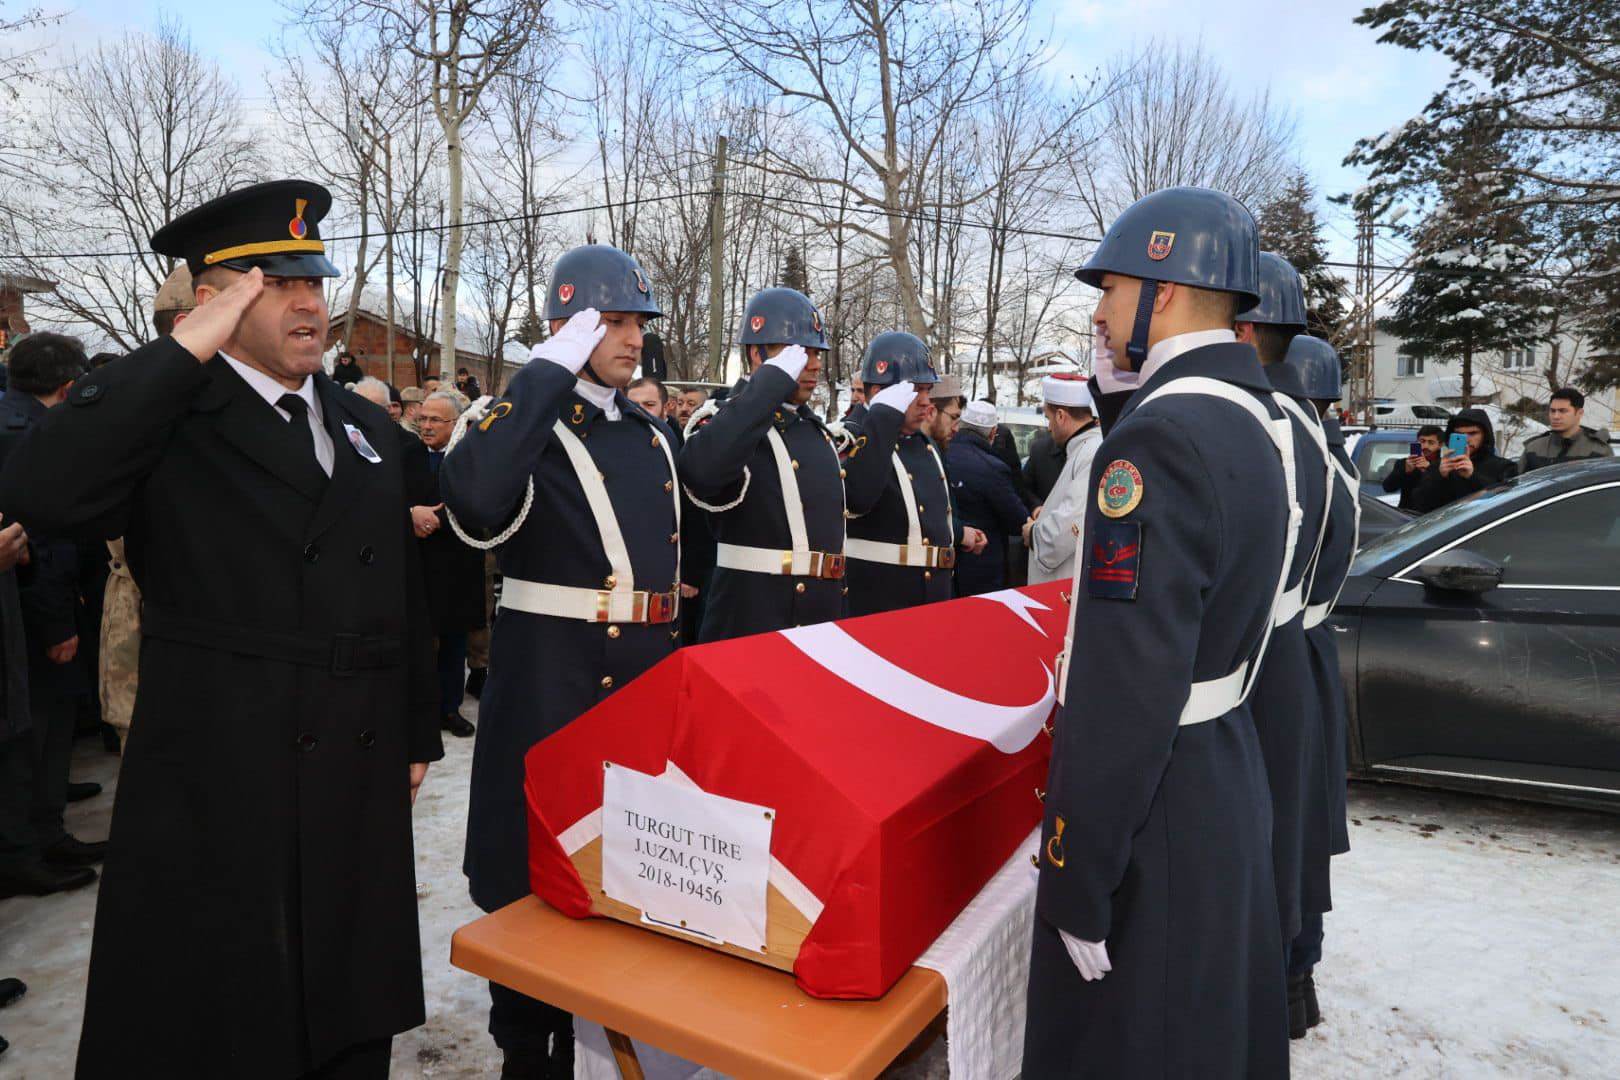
<point>1008,728</point>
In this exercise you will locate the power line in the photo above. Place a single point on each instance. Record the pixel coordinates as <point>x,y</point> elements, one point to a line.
<point>913,216</point>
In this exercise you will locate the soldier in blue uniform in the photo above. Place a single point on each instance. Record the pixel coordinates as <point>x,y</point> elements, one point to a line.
<point>581,483</point>
<point>1156,949</point>
<point>1287,713</point>
<point>902,547</point>
<point>1314,367</point>
<point>766,469</point>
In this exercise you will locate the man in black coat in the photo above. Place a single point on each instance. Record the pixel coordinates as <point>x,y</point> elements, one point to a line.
<point>1405,474</point>
<point>43,367</point>
<point>257,915</point>
<point>903,547</point>
<point>1460,475</point>
<point>764,468</point>
<point>455,573</point>
<point>1044,465</point>
<point>581,484</point>
<point>1156,949</point>
<point>986,498</point>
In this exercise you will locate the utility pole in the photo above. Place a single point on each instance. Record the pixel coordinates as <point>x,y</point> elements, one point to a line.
<point>717,218</point>
<point>387,142</point>
<point>1362,384</point>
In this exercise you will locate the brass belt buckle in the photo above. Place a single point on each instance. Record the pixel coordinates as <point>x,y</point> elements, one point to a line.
<point>832,566</point>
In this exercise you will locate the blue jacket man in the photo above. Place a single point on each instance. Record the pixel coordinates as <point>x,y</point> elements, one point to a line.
<point>986,498</point>
<point>1156,946</point>
<point>766,470</point>
<point>1314,366</point>
<point>579,485</point>
<point>1287,713</point>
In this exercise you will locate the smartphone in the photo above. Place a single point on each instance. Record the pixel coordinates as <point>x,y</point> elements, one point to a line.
<point>1414,449</point>
<point>1458,442</point>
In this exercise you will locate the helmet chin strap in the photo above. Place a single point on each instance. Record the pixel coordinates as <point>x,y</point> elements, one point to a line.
<point>1136,351</point>
<point>589,371</point>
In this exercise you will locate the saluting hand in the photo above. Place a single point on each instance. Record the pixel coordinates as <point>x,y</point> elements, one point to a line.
<point>897,397</point>
<point>792,360</point>
<point>571,346</point>
<point>206,329</point>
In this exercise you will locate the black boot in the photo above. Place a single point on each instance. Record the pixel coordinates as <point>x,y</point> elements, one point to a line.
<point>110,741</point>
<point>11,990</point>
<point>71,851</point>
<point>34,878</point>
<point>78,791</point>
<point>475,681</point>
<point>1297,1025</point>
<point>457,725</point>
<point>1313,1011</point>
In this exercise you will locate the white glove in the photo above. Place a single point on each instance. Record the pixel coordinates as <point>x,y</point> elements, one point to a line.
<point>571,346</point>
<point>1091,957</point>
<point>1110,379</point>
<point>791,360</point>
<point>897,397</point>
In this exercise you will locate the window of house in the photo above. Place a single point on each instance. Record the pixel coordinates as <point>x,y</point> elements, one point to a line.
<point>1408,365</point>
<point>1520,358</point>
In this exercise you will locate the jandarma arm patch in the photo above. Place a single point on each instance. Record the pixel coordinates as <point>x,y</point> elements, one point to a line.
<point>1113,559</point>
<point>1120,489</point>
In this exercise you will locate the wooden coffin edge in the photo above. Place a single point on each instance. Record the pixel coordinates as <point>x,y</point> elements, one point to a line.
<point>785,925</point>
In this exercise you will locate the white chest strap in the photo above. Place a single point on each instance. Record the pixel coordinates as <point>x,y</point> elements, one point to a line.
<point>945,483</point>
<point>601,506</point>
<point>1316,614</point>
<point>909,497</point>
<point>1293,601</point>
<point>1216,697</point>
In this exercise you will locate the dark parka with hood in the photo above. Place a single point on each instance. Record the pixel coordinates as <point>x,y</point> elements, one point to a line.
<point>1490,468</point>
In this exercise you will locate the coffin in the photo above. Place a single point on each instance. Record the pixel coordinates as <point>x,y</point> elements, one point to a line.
<point>890,764</point>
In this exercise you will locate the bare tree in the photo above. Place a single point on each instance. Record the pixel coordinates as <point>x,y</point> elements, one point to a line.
<point>468,46</point>
<point>1175,119</point>
<point>135,133</point>
<point>888,80</point>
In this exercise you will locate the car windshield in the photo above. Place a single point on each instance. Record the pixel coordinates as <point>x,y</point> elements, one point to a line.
<point>1476,507</point>
<point>1381,452</point>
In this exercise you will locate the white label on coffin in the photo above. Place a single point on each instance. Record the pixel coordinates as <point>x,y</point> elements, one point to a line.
<point>684,858</point>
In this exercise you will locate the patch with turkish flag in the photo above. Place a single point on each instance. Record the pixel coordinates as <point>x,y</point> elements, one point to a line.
<point>1113,559</point>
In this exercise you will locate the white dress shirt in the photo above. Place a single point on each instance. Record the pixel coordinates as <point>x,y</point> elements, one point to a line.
<point>271,391</point>
<point>603,397</point>
<point>1172,347</point>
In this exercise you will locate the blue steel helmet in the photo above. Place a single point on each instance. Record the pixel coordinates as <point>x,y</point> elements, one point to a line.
<point>1185,235</point>
<point>601,277</point>
<point>1282,295</point>
<point>896,357</point>
<point>782,317</point>
<point>1315,363</point>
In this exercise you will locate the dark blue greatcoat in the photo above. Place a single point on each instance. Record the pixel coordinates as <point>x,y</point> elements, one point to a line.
<point>986,498</point>
<point>1338,549</point>
<point>1287,710</point>
<point>741,602</point>
<point>544,671</point>
<point>1166,829</point>
<point>874,586</point>
<point>257,911</point>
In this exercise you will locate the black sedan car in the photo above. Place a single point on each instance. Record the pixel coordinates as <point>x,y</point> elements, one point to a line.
<point>1480,644</point>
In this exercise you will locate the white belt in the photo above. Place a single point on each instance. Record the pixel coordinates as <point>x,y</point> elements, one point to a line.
<point>589,605</point>
<point>1216,697</point>
<point>881,551</point>
<point>756,560</point>
<point>1315,614</point>
<point>1289,604</point>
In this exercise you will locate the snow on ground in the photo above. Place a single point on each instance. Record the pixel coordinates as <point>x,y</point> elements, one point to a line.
<point>1474,937</point>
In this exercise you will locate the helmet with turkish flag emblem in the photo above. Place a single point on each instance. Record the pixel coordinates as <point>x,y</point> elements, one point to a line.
<point>896,357</point>
<point>782,317</point>
<point>601,277</point>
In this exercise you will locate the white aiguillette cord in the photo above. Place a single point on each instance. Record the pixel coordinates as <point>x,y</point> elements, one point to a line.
<point>475,413</point>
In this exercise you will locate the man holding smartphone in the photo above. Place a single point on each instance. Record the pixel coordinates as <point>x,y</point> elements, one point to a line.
<point>1405,473</point>
<point>1459,474</point>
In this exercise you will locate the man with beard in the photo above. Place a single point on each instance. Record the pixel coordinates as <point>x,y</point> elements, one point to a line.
<point>581,484</point>
<point>257,915</point>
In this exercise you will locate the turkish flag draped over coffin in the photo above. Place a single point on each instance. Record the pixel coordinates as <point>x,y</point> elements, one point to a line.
<point>900,753</point>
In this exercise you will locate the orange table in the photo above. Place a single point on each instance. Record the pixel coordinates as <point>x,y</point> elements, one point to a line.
<point>737,1017</point>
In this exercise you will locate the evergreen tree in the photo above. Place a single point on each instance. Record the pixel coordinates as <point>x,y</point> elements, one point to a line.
<point>1465,298</point>
<point>794,274</point>
<point>1290,227</point>
<point>531,329</point>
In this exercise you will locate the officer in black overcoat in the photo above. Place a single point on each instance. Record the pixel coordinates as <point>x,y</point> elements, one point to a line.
<point>257,915</point>
<point>1286,704</point>
<point>902,547</point>
<point>766,470</point>
<point>1156,948</point>
<point>582,484</point>
<point>1314,365</point>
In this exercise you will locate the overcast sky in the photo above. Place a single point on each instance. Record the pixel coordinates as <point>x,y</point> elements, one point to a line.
<point>1334,77</point>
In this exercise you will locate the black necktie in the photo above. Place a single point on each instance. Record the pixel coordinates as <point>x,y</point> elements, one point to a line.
<point>297,408</point>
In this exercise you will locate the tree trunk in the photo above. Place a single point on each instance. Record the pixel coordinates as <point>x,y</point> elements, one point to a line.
<point>359,271</point>
<point>451,117</point>
<point>1468,375</point>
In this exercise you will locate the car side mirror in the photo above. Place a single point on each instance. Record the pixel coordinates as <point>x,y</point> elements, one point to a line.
<point>1459,570</point>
